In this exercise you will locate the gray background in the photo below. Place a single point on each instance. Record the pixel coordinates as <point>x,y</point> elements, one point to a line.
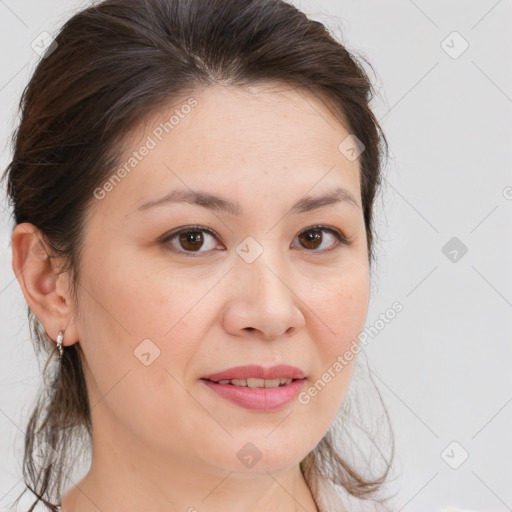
<point>442,363</point>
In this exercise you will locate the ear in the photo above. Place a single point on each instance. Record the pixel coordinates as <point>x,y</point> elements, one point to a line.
<point>46,291</point>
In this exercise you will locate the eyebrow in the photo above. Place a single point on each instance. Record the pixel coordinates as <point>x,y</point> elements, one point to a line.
<point>217,203</point>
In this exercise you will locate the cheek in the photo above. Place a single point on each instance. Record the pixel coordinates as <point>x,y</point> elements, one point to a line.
<point>141,330</point>
<point>341,307</point>
<point>126,314</point>
<point>134,369</point>
<point>340,303</point>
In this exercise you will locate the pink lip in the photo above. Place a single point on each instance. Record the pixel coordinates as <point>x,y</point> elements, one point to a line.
<point>263,399</point>
<point>258,372</point>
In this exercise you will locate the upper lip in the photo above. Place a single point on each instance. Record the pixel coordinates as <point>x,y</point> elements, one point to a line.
<point>258,372</point>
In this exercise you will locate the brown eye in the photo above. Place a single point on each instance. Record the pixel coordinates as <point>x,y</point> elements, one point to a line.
<point>191,240</point>
<point>313,238</point>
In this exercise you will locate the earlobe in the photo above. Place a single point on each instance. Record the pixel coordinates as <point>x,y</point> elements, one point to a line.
<point>45,290</point>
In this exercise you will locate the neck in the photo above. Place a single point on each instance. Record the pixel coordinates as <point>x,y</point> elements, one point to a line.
<point>125,476</point>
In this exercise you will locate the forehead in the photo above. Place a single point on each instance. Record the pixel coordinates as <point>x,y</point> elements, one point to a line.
<point>267,135</point>
<point>270,115</point>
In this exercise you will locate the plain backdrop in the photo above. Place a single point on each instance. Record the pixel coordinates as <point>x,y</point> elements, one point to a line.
<point>443,78</point>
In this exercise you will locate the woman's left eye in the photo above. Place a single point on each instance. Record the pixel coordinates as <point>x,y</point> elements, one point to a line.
<point>312,238</point>
<point>191,239</point>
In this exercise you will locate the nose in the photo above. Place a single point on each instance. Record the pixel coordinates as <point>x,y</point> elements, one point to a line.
<point>262,300</point>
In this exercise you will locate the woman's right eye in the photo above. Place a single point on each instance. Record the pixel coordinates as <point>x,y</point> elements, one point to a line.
<point>190,240</point>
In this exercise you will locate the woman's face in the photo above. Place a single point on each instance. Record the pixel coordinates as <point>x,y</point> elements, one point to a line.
<point>256,284</point>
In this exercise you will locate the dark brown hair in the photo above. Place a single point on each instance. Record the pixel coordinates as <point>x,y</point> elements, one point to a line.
<point>114,63</point>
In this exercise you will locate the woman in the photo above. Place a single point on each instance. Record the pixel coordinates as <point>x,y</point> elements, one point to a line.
<point>192,185</point>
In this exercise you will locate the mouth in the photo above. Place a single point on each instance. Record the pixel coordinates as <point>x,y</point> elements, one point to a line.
<point>255,383</point>
<point>253,375</point>
<point>257,388</point>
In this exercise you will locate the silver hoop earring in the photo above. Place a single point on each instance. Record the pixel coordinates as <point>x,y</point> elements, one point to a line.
<point>60,337</point>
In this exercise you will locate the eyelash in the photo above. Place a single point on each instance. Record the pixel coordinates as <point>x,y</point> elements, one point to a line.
<point>342,240</point>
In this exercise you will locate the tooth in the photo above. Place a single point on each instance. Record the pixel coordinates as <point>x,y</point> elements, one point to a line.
<point>272,383</point>
<point>255,383</point>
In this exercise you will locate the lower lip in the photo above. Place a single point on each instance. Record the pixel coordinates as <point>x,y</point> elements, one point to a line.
<point>261,399</point>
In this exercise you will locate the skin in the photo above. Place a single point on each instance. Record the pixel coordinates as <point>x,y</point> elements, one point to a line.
<point>162,439</point>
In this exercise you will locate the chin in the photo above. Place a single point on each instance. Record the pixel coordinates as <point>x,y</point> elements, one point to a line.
<point>253,458</point>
